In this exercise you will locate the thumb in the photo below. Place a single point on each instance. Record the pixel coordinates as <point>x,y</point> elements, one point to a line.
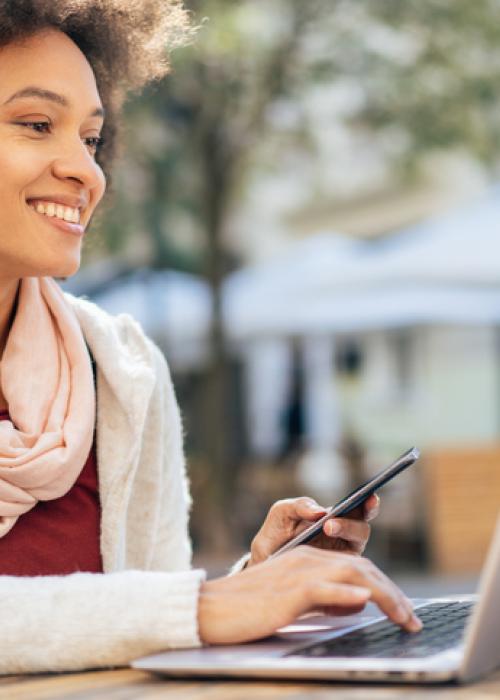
<point>308,509</point>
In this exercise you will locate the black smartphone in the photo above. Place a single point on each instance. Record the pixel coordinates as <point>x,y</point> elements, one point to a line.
<point>353,499</point>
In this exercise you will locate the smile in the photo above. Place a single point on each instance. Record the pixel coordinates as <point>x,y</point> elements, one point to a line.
<point>55,210</point>
<point>58,216</point>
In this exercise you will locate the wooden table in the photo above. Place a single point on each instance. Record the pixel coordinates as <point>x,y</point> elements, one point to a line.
<point>127,684</point>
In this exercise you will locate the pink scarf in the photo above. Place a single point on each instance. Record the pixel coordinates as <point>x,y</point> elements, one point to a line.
<point>46,378</point>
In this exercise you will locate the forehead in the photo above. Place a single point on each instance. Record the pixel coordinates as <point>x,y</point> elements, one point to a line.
<point>52,60</point>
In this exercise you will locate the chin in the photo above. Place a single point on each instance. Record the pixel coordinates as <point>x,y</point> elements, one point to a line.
<point>57,269</point>
<point>68,271</point>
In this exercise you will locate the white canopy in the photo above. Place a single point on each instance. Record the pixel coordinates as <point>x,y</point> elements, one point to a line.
<point>174,308</point>
<point>446,270</point>
<point>169,303</point>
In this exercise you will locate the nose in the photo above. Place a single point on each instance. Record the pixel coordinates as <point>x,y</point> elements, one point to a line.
<point>75,162</point>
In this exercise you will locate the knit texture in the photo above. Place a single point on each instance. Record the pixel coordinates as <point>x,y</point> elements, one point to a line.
<point>67,623</point>
<point>147,599</point>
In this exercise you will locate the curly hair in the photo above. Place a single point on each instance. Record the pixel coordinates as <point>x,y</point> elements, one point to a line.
<point>125,42</point>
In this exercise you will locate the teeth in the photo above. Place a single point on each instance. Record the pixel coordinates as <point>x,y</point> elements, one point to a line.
<point>58,211</point>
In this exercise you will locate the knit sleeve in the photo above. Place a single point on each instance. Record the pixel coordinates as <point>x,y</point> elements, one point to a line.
<point>68,623</point>
<point>156,536</point>
<point>172,545</point>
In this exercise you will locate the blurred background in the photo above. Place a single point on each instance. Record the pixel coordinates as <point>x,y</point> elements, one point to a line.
<point>306,220</point>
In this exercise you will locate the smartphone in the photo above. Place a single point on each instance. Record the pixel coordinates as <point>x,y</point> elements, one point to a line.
<point>352,500</point>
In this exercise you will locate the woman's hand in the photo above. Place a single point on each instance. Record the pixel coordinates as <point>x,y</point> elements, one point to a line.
<point>257,601</point>
<point>289,517</point>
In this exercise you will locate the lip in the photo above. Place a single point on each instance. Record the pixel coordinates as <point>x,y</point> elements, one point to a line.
<point>67,200</point>
<point>77,230</point>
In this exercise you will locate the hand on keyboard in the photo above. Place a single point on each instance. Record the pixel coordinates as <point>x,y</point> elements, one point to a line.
<point>257,601</point>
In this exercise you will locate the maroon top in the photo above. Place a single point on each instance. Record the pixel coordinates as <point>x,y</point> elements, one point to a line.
<point>59,536</point>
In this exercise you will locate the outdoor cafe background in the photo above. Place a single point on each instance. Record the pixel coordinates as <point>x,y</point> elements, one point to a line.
<point>305,219</point>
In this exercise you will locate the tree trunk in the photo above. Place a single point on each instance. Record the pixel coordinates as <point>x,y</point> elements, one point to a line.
<point>218,425</point>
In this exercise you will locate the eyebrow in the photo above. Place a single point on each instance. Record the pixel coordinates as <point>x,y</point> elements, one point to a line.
<point>42,94</point>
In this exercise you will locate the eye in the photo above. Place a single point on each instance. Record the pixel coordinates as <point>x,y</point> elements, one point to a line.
<point>41,127</point>
<point>93,143</point>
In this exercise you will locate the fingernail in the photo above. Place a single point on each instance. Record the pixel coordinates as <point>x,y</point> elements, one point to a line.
<point>316,508</point>
<point>415,625</point>
<point>334,527</point>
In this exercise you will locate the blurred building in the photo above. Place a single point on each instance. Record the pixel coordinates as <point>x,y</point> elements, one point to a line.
<point>381,343</point>
<point>400,346</point>
<point>409,322</point>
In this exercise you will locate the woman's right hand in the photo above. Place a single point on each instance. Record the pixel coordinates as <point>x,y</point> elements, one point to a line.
<point>257,601</point>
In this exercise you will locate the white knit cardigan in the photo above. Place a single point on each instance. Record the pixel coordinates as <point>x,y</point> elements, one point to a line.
<point>147,598</point>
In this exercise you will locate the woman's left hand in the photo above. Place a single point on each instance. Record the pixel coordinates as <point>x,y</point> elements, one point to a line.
<point>289,517</point>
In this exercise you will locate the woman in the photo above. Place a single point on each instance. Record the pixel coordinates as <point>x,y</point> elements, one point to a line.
<point>94,549</point>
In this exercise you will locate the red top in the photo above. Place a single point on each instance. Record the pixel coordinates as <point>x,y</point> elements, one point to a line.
<point>59,536</point>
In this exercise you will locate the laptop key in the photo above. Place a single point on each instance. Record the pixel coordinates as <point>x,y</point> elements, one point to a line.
<point>443,629</point>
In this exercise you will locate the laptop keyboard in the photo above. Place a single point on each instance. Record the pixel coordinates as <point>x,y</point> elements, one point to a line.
<point>443,628</point>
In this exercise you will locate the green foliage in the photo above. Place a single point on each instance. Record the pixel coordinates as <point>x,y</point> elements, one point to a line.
<point>190,138</point>
<point>427,74</point>
<point>442,86</point>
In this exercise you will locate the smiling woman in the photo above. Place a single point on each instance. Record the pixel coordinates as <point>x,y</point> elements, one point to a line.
<point>94,547</point>
<point>51,118</point>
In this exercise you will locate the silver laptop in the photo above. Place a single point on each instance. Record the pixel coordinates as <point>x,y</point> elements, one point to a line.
<point>460,641</point>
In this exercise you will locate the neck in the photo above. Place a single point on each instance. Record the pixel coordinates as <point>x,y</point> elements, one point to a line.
<point>8,296</point>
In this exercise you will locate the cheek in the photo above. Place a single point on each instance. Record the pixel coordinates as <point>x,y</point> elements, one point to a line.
<point>26,248</point>
<point>19,170</point>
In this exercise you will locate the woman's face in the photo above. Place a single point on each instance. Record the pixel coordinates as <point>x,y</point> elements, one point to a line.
<point>50,183</point>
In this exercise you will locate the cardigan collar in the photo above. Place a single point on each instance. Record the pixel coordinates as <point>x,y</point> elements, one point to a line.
<point>121,352</point>
<point>125,381</point>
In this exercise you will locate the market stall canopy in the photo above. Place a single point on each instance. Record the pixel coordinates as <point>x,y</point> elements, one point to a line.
<point>445,270</point>
<point>174,308</point>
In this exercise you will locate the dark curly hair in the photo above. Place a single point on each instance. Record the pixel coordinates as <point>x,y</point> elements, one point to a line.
<point>125,42</point>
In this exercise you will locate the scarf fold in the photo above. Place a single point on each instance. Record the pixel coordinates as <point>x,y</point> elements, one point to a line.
<point>46,378</point>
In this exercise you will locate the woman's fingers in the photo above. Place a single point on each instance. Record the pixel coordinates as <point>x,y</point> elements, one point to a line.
<point>257,601</point>
<point>384,593</point>
<point>289,517</point>
<point>371,507</point>
<point>325,594</point>
<point>355,532</point>
<point>403,601</point>
<point>286,518</point>
<point>303,509</point>
<point>386,581</point>
<point>353,529</point>
<point>342,611</point>
<point>361,573</point>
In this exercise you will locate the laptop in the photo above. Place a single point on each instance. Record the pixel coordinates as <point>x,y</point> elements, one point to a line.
<point>460,641</point>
